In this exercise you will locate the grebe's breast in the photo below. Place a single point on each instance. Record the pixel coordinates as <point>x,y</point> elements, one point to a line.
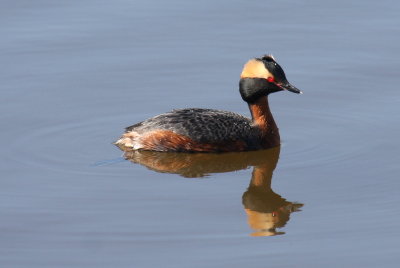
<point>203,126</point>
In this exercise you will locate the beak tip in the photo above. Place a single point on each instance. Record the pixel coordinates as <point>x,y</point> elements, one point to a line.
<point>291,88</point>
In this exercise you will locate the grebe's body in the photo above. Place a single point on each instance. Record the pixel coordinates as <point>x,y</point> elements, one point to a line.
<point>197,130</point>
<point>207,130</point>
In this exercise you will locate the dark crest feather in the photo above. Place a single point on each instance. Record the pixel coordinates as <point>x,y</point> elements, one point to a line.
<point>268,57</point>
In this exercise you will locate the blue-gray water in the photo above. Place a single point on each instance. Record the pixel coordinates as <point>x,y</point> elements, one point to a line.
<point>75,73</point>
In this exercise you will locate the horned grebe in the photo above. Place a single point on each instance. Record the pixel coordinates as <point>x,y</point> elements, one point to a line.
<point>207,130</point>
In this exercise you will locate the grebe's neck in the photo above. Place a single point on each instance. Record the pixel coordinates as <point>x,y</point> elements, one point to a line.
<point>262,173</point>
<point>261,178</point>
<point>263,119</point>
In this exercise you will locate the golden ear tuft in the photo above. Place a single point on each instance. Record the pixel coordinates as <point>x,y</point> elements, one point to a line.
<point>255,68</point>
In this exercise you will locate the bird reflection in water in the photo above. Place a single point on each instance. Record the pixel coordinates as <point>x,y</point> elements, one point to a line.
<point>265,209</point>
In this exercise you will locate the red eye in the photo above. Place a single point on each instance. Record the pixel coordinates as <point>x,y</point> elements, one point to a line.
<point>270,79</point>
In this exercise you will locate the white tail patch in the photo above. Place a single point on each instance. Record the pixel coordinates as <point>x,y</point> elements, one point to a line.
<point>130,140</point>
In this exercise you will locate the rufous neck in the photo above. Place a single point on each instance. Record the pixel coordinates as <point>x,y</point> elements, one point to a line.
<point>263,119</point>
<point>261,114</point>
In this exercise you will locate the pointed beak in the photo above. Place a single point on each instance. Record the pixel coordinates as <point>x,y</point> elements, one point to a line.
<point>287,86</point>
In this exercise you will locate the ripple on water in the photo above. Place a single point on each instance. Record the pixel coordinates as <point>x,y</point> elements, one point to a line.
<point>315,139</point>
<point>324,138</point>
<point>72,147</point>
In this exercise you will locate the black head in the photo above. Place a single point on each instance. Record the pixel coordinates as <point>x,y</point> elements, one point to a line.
<point>262,76</point>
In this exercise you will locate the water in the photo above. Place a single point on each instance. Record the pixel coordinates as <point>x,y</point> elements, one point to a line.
<point>74,74</point>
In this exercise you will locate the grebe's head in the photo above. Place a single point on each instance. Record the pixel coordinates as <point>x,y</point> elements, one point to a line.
<point>262,76</point>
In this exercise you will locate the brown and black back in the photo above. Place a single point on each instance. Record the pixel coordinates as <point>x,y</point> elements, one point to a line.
<point>215,128</point>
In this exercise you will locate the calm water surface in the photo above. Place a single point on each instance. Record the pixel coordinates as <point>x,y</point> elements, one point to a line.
<point>75,73</point>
